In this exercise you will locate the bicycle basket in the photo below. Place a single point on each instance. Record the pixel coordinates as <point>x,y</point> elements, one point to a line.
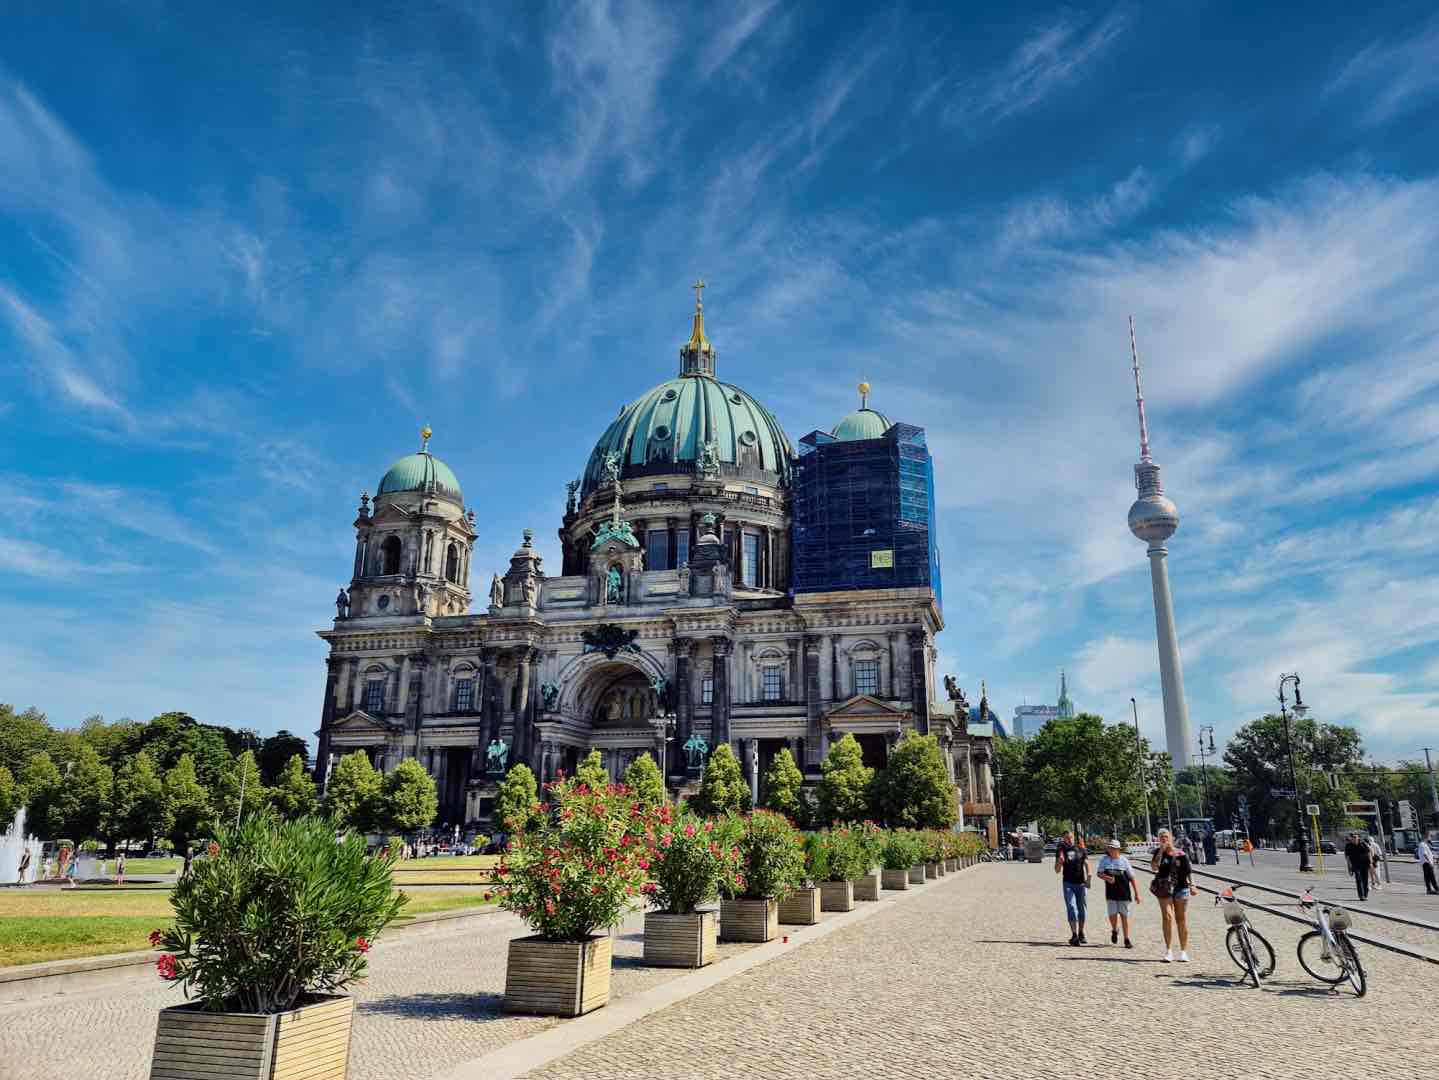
<point>1232,911</point>
<point>1339,919</point>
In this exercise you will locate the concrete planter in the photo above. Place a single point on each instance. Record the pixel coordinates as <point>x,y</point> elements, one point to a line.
<point>749,920</point>
<point>868,886</point>
<point>896,879</point>
<point>932,870</point>
<point>685,941</point>
<point>836,896</point>
<point>312,1041</point>
<point>800,908</point>
<point>916,874</point>
<point>557,978</point>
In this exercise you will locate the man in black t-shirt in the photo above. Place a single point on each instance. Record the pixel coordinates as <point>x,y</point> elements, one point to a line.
<point>1071,860</point>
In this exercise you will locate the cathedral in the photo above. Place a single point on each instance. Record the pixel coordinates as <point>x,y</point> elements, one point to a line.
<point>717,584</point>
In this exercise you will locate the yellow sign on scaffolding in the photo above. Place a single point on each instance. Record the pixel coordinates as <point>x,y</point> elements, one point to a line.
<point>883,559</point>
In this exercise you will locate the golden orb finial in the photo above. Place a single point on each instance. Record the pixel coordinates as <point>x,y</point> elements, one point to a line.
<point>425,434</point>
<point>864,394</point>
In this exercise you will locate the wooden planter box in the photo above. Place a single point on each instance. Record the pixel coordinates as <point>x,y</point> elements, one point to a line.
<point>685,941</point>
<point>933,870</point>
<point>312,1041</point>
<point>836,896</point>
<point>557,978</point>
<point>916,874</point>
<point>952,865</point>
<point>868,886</point>
<point>896,879</point>
<point>749,920</point>
<point>800,908</point>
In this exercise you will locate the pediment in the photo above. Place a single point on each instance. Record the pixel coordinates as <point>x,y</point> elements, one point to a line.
<point>361,721</point>
<point>862,705</point>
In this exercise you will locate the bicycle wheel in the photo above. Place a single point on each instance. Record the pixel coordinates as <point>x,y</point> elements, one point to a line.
<point>1263,953</point>
<point>1356,969</point>
<point>1236,951</point>
<point>1328,969</point>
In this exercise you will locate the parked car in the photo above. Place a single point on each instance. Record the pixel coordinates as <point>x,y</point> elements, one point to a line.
<point>1326,846</point>
<point>157,854</point>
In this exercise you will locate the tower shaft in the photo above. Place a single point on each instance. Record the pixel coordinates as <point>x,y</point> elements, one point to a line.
<point>1171,669</point>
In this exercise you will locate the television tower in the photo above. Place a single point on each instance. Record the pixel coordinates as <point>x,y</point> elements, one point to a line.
<point>1154,518</point>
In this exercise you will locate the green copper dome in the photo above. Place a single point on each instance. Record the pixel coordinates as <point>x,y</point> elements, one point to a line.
<point>862,424</point>
<point>421,472</point>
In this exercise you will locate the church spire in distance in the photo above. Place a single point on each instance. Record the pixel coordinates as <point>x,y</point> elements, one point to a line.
<point>697,355</point>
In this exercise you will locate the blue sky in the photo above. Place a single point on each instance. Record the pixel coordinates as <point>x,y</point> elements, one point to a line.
<point>243,257</point>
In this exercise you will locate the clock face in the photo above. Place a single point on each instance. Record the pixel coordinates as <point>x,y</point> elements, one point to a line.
<point>383,602</point>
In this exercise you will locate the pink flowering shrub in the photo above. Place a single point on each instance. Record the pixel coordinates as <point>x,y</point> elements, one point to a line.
<point>695,858</point>
<point>581,860</point>
<point>771,854</point>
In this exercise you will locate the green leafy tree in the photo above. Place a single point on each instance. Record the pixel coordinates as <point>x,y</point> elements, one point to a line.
<point>277,750</point>
<point>1010,757</point>
<point>140,810</point>
<point>784,784</point>
<point>40,784</point>
<point>592,772</point>
<point>408,798</point>
<point>914,789</point>
<point>22,736</point>
<point>1258,756</point>
<point>240,790</point>
<point>189,801</point>
<point>516,798</point>
<point>10,797</point>
<point>845,783</point>
<point>722,787</point>
<point>644,781</point>
<point>85,795</point>
<point>352,794</point>
<point>171,734</point>
<point>1080,771</point>
<point>293,792</point>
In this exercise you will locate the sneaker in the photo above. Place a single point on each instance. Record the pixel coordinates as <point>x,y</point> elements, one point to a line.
<point>1114,937</point>
<point>1183,957</point>
<point>1081,938</point>
<point>1128,944</point>
<point>1168,956</point>
<point>1074,939</point>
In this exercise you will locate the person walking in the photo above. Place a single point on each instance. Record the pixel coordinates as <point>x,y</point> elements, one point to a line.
<point>1119,890</point>
<point>189,860</point>
<point>1172,886</point>
<point>1424,855</point>
<point>25,856</point>
<point>1071,861</point>
<point>1376,856</point>
<point>120,869</point>
<point>1358,858</point>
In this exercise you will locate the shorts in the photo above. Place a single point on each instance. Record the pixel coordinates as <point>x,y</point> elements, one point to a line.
<point>1182,894</point>
<point>1119,907</point>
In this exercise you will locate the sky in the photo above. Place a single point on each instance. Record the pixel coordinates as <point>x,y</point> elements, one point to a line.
<point>245,255</point>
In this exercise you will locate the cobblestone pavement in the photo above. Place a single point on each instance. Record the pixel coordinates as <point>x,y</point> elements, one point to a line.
<point>974,980</point>
<point>433,998</point>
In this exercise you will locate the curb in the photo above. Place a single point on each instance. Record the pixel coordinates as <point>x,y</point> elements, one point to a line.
<point>525,1055</point>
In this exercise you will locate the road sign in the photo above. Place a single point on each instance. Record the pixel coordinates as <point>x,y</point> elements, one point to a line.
<point>1281,793</point>
<point>1312,809</point>
<point>1367,808</point>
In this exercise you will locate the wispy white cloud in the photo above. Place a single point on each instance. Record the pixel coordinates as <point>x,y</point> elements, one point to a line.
<point>719,48</point>
<point>1397,74</point>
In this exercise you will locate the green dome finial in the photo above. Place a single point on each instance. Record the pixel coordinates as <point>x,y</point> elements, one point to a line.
<point>864,422</point>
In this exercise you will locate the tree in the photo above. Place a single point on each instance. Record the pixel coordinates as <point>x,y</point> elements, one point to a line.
<point>592,772</point>
<point>515,801</point>
<point>240,790</point>
<point>408,800</point>
<point>40,784</point>
<point>1080,771</point>
<point>783,783</point>
<point>188,799</point>
<point>293,792</point>
<point>1010,757</point>
<point>10,798</point>
<point>172,734</point>
<point>85,794</point>
<point>1258,755</point>
<point>140,810</point>
<point>644,781</point>
<point>914,789</point>
<point>276,752</point>
<point>845,783</point>
<point>22,736</point>
<point>722,787</point>
<point>353,792</point>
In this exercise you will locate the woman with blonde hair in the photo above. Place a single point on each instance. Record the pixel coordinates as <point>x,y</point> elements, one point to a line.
<point>1172,886</point>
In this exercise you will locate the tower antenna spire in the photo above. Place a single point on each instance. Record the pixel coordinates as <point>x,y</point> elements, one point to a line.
<point>1139,396</point>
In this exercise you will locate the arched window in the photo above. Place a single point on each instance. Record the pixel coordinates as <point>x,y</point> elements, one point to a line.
<point>390,555</point>
<point>452,564</point>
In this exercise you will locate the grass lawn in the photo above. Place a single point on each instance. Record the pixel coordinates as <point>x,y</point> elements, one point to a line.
<point>451,862</point>
<point>58,925</point>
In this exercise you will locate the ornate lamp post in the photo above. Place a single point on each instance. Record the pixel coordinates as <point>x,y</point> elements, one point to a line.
<point>1299,710</point>
<point>994,771</point>
<point>1203,772</point>
<point>663,723</point>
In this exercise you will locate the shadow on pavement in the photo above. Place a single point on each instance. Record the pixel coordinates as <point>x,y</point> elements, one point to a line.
<point>482,1006</point>
<point>1032,944</point>
<point>1113,959</point>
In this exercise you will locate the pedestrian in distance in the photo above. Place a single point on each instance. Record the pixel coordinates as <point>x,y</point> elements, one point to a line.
<point>1376,856</point>
<point>24,866</point>
<point>120,869</point>
<point>1172,886</point>
<point>1119,890</point>
<point>1358,858</point>
<point>1424,856</point>
<point>189,860</point>
<point>1071,861</point>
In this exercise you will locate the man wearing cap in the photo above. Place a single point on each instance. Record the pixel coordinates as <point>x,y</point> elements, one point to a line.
<point>1119,890</point>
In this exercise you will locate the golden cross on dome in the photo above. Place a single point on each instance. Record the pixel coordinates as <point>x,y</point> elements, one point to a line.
<point>699,287</point>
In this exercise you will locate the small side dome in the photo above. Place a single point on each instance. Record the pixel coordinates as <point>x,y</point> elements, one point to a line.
<point>862,424</point>
<point>422,472</point>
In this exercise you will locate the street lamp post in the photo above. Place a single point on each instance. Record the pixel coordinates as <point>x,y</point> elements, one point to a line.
<point>998,807</point>
<point>1143,780</point>
<point>1203,770</point>
<point>1299,710</point>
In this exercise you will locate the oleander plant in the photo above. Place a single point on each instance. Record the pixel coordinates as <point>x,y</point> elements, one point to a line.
<point>772,857</point>
<point>845,855</point>
<point>901,851</point>
<point>694,860</point>
<point>279,911</point>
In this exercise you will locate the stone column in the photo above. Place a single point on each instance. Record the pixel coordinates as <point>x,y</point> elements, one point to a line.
<point>327,717</point>
<point>835,682</point>
<point>918,684</point>
<point>519,751</point>
<point>684,709</point>
<point>493,706</point>
<point>719,714</point>
<point>891,673</point>
<point>813,736</point>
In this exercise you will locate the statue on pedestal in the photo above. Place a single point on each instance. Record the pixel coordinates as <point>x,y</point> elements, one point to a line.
<point>696,750</point>
<point>614,586</point>
<point>496,754</point>
<point>497,592</point>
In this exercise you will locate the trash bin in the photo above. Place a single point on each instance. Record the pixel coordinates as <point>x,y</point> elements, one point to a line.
<point>1033,849</point>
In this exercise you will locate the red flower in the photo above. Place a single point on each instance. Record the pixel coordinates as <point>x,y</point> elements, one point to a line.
<point>167,967</point>
<point>666,841</point>
<point>549,907</point>
<point>689,830</point>
<point>488,895</point>
<point>649,888</point>
<point>154,939</point>
<point>644,864</point>
<point>362,944</point>
<point>626,840</point>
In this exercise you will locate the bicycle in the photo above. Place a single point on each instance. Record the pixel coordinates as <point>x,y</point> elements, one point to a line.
<point>1336,958</point>
<point>1243,941</point>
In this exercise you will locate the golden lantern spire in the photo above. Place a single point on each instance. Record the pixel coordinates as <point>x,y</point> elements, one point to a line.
<point>863,393</point>
<point>425,434</point>
<point>697,335</point>
<point>697,355</point>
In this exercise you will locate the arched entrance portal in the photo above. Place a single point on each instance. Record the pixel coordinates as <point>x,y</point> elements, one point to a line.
<point>609,705</point>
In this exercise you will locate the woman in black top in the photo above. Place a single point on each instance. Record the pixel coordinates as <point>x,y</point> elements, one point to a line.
<point>1173,885</point>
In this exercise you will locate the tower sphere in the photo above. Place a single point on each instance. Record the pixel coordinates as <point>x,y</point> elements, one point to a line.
<point>1153,518</point>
